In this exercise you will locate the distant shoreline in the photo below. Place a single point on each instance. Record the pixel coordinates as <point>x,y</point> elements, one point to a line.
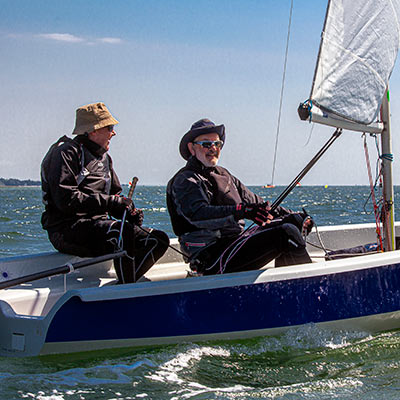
<point>12,182</point>
<point>18,186</point>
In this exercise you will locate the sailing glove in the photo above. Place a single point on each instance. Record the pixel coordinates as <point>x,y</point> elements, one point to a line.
<point>118,204</point>
<point>257,213</point>
<point>135,217</point>
<point>301,220</point>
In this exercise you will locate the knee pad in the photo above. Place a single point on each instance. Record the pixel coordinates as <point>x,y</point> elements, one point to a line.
<point>293,235</point>
<point>161,236</point>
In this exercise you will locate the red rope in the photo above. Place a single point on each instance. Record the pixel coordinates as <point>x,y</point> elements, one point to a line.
<point>376,209</point>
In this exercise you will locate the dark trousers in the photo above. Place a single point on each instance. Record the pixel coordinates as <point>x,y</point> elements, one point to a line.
<point>283,243</point>
<point>91,238</point>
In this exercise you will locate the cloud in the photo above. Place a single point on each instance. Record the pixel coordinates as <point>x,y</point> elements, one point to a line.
<point>62,37</point>
<point>67,37</point>
<point>110,40</point>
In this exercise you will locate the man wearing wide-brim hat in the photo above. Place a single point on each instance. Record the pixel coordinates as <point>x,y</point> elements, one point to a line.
<point>208,205</point>
<point>83,206</point>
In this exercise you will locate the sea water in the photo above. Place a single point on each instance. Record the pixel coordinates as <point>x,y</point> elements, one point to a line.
<point>304,363</point>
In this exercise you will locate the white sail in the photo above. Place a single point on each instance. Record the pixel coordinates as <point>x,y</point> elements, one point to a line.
<point>358,50</point>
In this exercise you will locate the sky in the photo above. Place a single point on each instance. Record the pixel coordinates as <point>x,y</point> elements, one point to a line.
<point>161,65</point>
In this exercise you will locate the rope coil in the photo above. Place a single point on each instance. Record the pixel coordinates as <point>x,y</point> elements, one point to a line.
<point>387,157</point>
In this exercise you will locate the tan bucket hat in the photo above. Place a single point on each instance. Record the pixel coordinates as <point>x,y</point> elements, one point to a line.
<point>92,116</point>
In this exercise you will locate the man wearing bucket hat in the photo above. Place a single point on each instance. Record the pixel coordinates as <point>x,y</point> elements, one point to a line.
<point>208,205</point>
<point>83,206</point>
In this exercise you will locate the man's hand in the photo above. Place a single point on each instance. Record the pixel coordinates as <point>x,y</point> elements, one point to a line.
<point>307,225</point>
<point>118,204</point>
<point>135,217</point>
<point>258,213</point>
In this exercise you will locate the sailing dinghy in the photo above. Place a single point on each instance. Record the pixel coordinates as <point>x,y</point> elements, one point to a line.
<point>84,310</point>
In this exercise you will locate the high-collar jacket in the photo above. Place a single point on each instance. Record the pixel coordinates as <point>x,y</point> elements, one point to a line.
<point>77,182</point>
<point>202,202</point>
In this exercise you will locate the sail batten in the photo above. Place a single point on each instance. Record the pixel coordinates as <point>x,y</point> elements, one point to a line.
<point>358,50</point>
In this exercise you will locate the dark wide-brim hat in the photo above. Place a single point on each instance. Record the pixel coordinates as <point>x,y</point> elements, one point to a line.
<point>200,127</point>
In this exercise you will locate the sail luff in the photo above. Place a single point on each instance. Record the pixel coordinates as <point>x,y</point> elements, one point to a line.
<point>320,47</point>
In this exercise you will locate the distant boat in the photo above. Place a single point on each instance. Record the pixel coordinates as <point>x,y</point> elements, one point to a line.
<point>272,186</point>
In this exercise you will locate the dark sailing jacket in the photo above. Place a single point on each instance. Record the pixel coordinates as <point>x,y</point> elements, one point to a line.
<point>77,181</point>
<point>202,202</point>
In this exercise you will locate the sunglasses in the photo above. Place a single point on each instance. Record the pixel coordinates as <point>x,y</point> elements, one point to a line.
<point>208,143</point>
<point>110,128</point>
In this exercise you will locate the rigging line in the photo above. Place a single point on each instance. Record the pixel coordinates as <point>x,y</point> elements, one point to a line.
<point>310,134</point>
<point>282,90</point>
<point>322,245</point>
<point>378,175</point>
<point>162,241</point>
<point>376,211</point>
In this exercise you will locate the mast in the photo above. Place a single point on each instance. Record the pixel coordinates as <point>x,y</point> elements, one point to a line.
<point>387,172</point>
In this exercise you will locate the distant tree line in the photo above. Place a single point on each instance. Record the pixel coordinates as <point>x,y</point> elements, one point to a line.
<point>18,182</point>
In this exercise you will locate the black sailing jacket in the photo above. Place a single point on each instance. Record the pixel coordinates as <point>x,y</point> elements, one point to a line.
<point>77,181</point>
<point>202,201</point>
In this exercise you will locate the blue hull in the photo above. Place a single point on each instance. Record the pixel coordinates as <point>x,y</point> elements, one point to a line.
<point>247,307</point>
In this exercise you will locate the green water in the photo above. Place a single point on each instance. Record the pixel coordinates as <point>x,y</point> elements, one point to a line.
<point>303,363</point>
